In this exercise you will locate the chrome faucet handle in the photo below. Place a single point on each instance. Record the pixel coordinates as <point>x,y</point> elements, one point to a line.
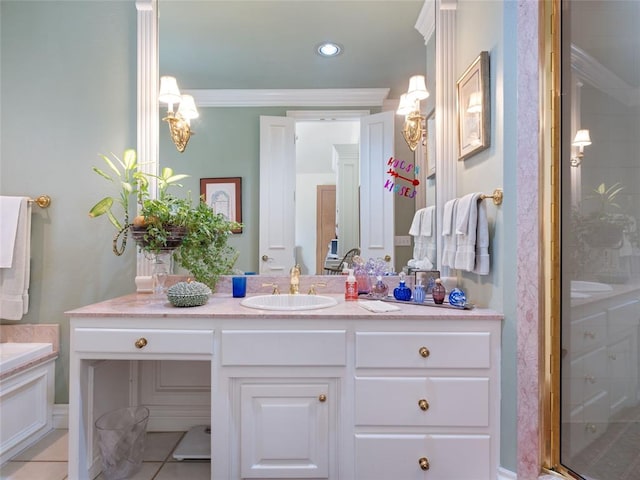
<point>276,289</point>
<point>312,288</point>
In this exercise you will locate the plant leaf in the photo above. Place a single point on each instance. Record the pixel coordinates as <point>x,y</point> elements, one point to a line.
<point>114,221</point>
<point>130,159</point>
<point>111,164</point>
<point>102,174</point>
<point>102,207</point>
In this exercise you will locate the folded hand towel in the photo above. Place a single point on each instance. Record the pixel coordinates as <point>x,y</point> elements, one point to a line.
<point>9,210</point>
<point>448,234</point>
<point>465,205</point>
<point>465,257</point>
<point>482,264</point>
<point>426,226</point>
<point>377,306</point>
<point>416,223</point>
<point>14,281</point>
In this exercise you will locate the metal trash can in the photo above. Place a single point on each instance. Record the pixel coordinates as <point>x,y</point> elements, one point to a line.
<point>121,438</point>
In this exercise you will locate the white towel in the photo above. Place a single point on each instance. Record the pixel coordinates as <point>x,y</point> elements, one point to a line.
<point>377,306</point>
<point>482,264</point>
<point>9,211</point>
<point>465,206</point>
<point>426,225</point>
<point>14,281</point>
<point>466,224</point>
<point>416,223</point>
<point>448,233</point>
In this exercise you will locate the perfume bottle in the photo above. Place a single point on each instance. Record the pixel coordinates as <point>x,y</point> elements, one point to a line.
<point>402,292</point>
<point>419,293</point>
<point>438,292</point>
<point>379,289</point>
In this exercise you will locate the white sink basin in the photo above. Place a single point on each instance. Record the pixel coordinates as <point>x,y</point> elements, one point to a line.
<point>582,286</point>
<point>289,302</point>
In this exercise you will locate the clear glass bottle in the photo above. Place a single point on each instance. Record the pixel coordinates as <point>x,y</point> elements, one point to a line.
<point>419,293</point>
<point>438,292</point>
<point>379,289</point>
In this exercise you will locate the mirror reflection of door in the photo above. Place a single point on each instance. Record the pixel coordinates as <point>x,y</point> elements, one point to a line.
<point>334,145</point>
<point>325,224</point>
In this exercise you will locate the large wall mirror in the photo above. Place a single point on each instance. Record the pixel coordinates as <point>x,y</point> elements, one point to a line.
<point>234,54</point>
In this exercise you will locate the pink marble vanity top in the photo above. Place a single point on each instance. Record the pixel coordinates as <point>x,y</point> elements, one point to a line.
<point>223,305</point>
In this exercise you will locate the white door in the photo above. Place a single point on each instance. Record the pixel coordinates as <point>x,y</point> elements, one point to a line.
<point>277,194</point>
<point>376,201</point>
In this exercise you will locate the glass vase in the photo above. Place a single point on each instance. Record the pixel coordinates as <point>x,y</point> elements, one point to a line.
<point>161,269</point>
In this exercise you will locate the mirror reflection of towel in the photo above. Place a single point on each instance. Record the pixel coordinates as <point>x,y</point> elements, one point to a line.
<point>14,281</point>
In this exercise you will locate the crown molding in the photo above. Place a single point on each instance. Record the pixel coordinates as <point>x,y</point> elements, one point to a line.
<point>323,97</point>
<point>590,71</point>
<point>426,23</point>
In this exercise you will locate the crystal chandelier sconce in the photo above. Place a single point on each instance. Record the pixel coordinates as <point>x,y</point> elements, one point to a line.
<point>413,130</point>
<point>581,140</point>
<point>180,121</point>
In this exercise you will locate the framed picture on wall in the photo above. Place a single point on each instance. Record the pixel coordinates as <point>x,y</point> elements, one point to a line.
<point>474,108</point>
<point>224,195</point>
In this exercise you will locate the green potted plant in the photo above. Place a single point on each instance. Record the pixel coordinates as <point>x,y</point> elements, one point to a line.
<point>604,227</point>
<point>196,235</point>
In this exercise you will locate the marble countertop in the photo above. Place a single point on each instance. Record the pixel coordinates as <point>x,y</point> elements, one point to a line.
<point>223,305</point>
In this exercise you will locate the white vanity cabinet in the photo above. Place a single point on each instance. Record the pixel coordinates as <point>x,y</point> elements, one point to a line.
<point>339,393</point>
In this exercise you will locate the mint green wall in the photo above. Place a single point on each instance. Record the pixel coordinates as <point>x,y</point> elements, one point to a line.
<point>68,93</point>
<point>491,26</point>
<point>68,89</point>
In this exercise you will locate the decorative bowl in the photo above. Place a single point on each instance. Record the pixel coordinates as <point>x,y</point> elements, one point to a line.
<point>188,294</point>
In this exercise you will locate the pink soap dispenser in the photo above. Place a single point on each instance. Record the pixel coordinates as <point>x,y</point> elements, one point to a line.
<point>351,287</point>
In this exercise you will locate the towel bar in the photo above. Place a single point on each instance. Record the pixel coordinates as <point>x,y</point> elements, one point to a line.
<point>497,196</point>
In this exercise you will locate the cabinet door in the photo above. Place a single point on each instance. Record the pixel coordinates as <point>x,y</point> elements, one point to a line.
<point>284,430</point>
<point>423,457</point>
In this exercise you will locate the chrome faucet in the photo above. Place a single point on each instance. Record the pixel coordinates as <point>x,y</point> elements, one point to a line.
<point>294,280</point>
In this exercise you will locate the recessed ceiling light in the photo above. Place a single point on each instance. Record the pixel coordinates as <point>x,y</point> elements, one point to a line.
<point>329,49</point>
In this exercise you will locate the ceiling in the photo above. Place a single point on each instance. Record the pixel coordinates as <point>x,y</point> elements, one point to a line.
<point>264,44</point>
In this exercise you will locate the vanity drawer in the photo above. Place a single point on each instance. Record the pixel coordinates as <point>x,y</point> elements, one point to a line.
<point>588,333</point>
<point>398,456</point>
<point>142,341</point>
<point>623,317</point>
<point>423,350</point>
<point>436,401</point>
<point>284,347</point>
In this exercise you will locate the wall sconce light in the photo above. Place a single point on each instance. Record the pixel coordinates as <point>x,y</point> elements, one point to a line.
<point>581,140</point>
<point>413,130</point>
<point>180,121</point>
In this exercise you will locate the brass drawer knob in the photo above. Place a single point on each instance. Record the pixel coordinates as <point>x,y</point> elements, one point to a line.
<point>423,404</point>
<point>322,397</point>
<point>424,352</point>
<point>424,463</point>
<point>141,342</point>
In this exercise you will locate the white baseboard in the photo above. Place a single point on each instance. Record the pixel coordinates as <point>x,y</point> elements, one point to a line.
<point>504,474</point>
<point>61,415</point>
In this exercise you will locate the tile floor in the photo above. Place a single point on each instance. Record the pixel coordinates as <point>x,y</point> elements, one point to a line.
<point>47,460</point>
